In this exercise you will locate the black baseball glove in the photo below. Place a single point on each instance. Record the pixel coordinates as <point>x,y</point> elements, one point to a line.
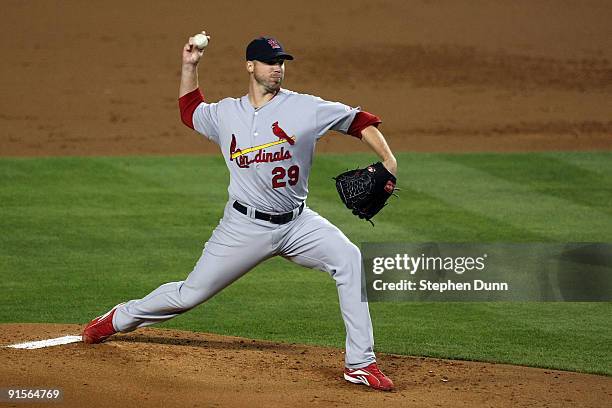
<point>366,191</point>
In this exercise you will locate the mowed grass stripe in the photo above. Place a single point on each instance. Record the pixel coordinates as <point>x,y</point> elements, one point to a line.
<point>82,234</point>
<point>512,202</point>
<point>420,217</point>
<point>595,162</point>
<point>415,215</point>
<point>552,176</point>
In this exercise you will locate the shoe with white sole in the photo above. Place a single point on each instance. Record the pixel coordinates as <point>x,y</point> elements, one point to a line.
<point>370,376</point>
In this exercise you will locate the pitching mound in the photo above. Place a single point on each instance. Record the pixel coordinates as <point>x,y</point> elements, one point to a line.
<point>164,368</point>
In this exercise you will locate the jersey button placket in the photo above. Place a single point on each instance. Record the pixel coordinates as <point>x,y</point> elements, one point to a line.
<point>255,133</point>
<point>254,126</point>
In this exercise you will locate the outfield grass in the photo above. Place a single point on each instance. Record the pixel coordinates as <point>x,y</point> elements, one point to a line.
<point>82,234</point>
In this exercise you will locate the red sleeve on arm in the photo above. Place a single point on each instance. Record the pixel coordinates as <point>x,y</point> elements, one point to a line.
<point>188,104</point>
<point>361,121</point>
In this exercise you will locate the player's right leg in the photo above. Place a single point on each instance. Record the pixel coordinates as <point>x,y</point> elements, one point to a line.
<point>235,247</point>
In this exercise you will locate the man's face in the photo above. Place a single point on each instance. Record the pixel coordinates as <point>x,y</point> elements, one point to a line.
<point>269,74</point>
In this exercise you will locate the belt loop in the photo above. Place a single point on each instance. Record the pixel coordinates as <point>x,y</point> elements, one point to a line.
<point>250,211</point>
<point>296,212</point>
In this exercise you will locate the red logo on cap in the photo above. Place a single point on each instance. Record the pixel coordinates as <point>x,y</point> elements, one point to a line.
<point>273,43</point>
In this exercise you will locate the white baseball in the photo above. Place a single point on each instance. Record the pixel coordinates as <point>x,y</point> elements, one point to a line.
<point>200,41</point>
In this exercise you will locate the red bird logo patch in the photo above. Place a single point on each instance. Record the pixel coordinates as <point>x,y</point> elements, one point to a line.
<point>280,133</point>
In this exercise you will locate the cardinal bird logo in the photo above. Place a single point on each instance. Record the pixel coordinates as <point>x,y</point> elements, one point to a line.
<point>280,133</point>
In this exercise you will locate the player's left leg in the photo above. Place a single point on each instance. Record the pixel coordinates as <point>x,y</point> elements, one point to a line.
<point>314,242</point>
<point>237,245</point>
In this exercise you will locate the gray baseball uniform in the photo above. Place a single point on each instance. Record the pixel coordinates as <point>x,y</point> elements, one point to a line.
<point>269,153</point>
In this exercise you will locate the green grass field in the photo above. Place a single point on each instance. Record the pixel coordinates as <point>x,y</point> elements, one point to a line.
<point>82,234</point>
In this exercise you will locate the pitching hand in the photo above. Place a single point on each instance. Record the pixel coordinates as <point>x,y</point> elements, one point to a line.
<point>191,53</point>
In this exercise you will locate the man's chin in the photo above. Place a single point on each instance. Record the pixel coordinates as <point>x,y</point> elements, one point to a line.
<point>273,88</point>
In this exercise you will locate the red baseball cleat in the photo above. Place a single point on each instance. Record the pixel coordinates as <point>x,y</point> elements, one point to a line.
<point>100,328</point>
<point>370,376</point>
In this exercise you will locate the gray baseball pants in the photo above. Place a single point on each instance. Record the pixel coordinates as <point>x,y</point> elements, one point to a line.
<point>237,245</point>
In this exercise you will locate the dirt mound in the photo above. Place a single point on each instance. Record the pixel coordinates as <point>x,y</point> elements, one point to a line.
<point>161,368</point>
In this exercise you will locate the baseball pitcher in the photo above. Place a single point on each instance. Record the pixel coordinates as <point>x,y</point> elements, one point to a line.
<point>267,138</point>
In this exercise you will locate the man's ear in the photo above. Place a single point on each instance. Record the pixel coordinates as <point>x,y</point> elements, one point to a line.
<point>250,66</point>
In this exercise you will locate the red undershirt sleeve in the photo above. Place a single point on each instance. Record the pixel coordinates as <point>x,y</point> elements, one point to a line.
<point>361,121</point>
<point>188,104</point>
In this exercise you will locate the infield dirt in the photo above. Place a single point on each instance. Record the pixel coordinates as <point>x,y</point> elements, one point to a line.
<point>162,368</point>
<point>79,79</point>
<point>85,79</point>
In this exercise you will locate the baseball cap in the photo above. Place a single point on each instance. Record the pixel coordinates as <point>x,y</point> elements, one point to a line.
<point>266,49</point>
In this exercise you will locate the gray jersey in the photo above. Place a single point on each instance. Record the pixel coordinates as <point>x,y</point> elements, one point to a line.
<point>269,150</point>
